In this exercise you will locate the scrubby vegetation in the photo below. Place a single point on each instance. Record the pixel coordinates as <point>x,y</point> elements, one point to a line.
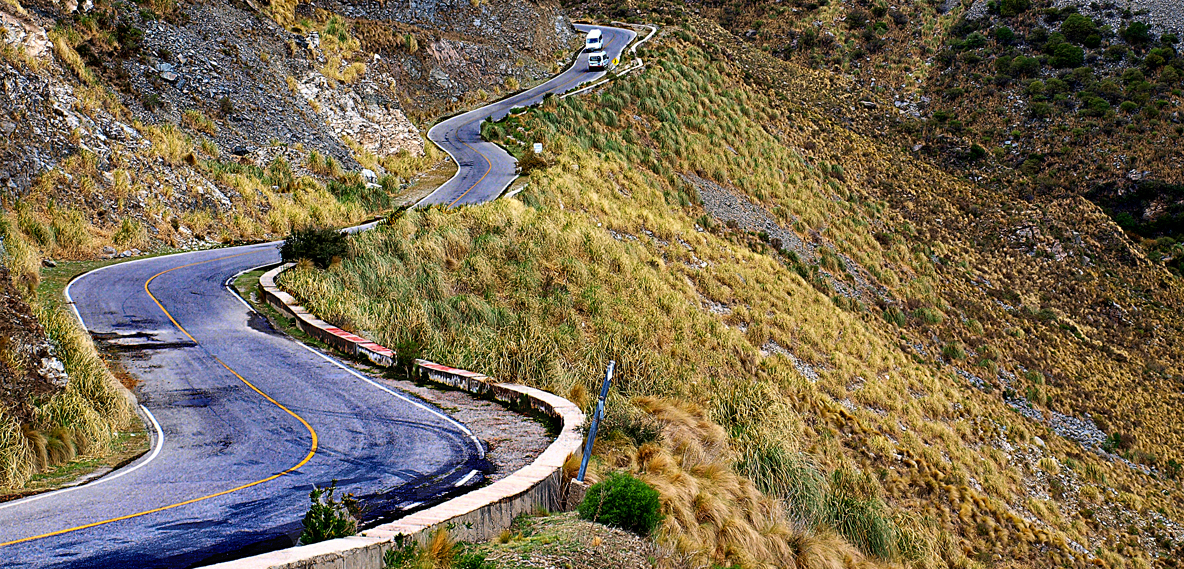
<point>329,517</point>
<point>861,369</point>
<point>622,501</point>
<point>321,246</point>
<point>44,425</point>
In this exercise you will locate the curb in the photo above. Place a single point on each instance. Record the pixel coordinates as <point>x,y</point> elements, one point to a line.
<point>477,515</point>
<point>561,95</point>
<point>635,66</point>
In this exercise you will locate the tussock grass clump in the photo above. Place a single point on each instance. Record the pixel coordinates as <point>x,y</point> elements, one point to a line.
<point>79,420</point>
<point>168,143</point>
<point>198,121</point>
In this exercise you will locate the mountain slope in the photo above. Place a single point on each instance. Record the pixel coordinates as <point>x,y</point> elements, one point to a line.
<point>870,331</point>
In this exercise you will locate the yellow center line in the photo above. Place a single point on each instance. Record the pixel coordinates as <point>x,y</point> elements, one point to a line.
<point>312,450</point>
<point>488,164</point>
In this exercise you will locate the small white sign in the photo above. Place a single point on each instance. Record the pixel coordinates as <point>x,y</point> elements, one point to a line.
<point>538,148</point>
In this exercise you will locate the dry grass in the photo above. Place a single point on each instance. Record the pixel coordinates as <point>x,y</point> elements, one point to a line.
<point>168,143</point>
<point>538,290</point>
<point>82,419</point>
<point>198,121</point>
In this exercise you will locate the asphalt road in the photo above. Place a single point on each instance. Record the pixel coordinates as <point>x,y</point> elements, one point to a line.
<point>238,405</point>
<point>484,170</point>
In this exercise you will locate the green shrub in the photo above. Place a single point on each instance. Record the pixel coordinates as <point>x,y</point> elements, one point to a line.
<point>1078,28</point>
<point>974,41</point>
<point>1024,66</point>
<point>1004,35</point>
<point>329,518</point>
<point>1040,110</point>
<point>1137,33</point>
<point>1010,8</point>
<point>321,246</point>
<point>1094,107</point>
<point>1067,55</point>
<point>623,501</point>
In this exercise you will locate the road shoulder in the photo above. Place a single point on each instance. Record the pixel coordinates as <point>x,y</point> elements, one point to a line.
<point>512,440</point>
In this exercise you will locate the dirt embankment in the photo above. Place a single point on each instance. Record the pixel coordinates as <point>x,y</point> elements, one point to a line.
<point>29,370</point>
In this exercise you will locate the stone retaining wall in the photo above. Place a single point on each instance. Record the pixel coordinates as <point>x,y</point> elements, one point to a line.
<point>475,516</point>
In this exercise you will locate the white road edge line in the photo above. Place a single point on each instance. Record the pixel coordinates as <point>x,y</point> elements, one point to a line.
<point>479,109</point>
<point>476,441</point>
<point>467,477</point>
<point>74,308</point>
<point>159,440</point>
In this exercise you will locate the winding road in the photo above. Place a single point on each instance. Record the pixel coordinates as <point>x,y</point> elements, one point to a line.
<point>484,169</point>
<point>248,421</point>
<point>244,420</point>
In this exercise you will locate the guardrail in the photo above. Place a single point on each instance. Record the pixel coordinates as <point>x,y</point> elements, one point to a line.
<point>635,66</point>
<point>477,515</point>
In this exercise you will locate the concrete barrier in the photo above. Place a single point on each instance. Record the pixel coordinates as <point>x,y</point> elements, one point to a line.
<point>331,335</point>
<point>474,516</point>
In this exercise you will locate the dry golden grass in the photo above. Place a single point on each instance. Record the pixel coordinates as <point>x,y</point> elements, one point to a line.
<point>538,290</point>
<point>198,121</point>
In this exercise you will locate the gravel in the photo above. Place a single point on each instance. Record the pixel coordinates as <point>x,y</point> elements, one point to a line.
<point>728,206</point>
<point>512,440</point>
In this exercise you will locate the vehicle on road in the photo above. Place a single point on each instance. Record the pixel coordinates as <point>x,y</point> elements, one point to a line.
<point>594,41</point>
<point>597,61</point>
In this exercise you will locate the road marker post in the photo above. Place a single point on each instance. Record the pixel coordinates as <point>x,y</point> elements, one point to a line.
<point>608,381</point>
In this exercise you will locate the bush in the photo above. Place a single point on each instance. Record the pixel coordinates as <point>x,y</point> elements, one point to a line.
<point>857,19</point>
<point>1094,107</point>
<point>1137,33</point>
<point>1040,110</point>
<point>1067,55</point>
<point>531,161</point>
<point>1010,8</point>
<point>329,518</point>
<point>1004,35</point>
<point>1078,28</point>
<point>1024,66</point>
<point>623,501</point>
<point>321,246</point>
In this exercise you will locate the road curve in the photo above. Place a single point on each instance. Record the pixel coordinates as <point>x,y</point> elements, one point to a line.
<point>484,169</point>
<point>249,421</point>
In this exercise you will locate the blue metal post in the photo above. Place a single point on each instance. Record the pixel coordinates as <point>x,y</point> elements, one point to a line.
<point>608,380</point>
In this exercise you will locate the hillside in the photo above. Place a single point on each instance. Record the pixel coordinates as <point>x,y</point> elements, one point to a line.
<point>1077,98</point>
<point>978,376</point>
<point>855,325</point>
<point>170,126</point>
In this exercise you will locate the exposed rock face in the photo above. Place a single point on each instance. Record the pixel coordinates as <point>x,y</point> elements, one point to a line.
<point>26,34</point>
<point>382,130</point>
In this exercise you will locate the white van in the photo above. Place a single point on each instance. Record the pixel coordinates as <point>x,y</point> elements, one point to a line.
<point>595,41</point>
<point>598,61</point>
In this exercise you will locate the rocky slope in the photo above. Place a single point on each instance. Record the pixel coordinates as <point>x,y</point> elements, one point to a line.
<point>129,128</point>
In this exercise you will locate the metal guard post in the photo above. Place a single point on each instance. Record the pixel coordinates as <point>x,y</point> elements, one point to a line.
<point>608,380</point>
